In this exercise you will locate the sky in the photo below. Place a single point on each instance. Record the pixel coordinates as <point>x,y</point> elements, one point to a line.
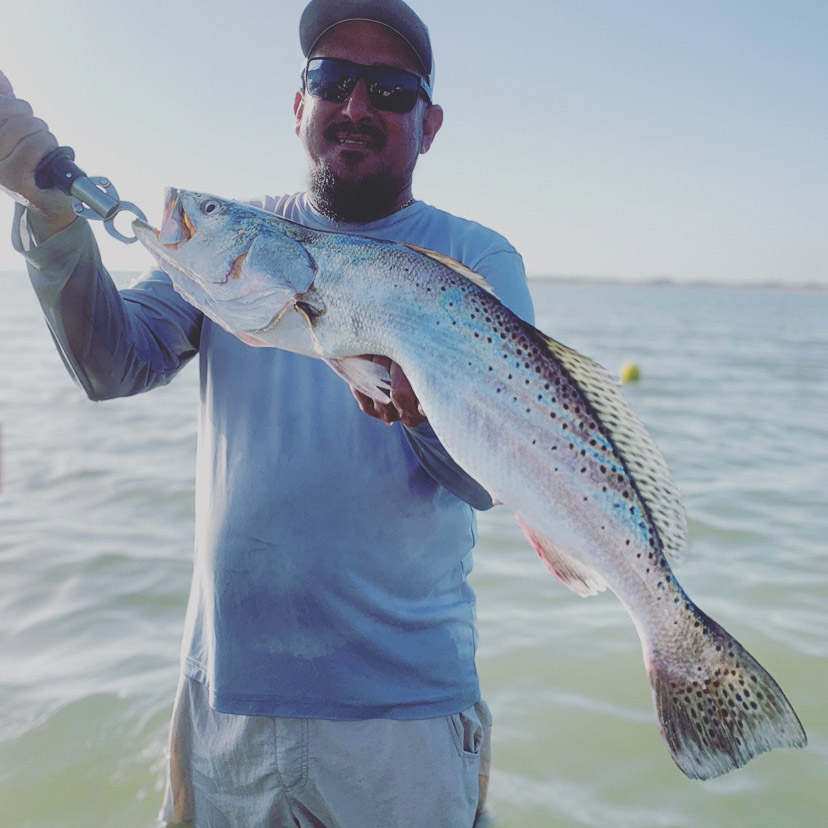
<point>628,139</point>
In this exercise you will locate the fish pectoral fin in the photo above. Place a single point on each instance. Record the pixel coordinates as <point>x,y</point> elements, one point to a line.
<point>581,578</point>
<point>364,375</point>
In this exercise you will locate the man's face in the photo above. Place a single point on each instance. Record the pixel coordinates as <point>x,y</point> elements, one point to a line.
<point>352,143</point>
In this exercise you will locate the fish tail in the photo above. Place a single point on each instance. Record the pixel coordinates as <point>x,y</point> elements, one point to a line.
<point>723,708</point>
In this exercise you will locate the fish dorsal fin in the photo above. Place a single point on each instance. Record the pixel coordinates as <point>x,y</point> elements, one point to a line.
<point>581,578</point>
<point>453,264</point>
<point>642,457</point>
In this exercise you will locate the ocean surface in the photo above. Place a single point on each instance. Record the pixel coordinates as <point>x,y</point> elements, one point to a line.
<point>96,511</point>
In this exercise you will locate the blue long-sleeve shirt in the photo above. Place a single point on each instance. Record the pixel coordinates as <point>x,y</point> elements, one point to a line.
<point>331,551</point>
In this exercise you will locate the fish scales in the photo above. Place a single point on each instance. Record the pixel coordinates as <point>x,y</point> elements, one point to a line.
<point>545,430</point>
<point>551,427</point>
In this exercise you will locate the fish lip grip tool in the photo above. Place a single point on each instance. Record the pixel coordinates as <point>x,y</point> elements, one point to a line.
<point>92,197</point>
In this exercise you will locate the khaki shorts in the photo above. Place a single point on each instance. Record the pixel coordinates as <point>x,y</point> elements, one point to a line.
<point>230,771</point>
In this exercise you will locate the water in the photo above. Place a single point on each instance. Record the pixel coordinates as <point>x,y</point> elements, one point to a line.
<point>95,554</point>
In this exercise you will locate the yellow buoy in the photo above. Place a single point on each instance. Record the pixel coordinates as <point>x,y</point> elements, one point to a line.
<point>629,373</point>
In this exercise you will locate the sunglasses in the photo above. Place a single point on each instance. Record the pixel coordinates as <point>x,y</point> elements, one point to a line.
<point>389,89</point>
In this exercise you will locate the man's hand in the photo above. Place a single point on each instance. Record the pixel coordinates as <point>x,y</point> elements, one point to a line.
<point>403,408</point>
<point>24,141</point>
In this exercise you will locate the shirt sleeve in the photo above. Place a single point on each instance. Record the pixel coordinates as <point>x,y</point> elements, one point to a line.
<point>114,343</point>
<point>504,271</point>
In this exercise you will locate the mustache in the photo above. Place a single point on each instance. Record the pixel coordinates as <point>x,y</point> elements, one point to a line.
<point>334,132</point>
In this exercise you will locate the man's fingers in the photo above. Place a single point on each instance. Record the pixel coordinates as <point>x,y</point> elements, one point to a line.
<point>14,108</point>
<point>387,413</point>
<point>404,399</point>
<point>403,407</point>
<point>24,141</point>
<point>17,130</point>
<point>5,86</point>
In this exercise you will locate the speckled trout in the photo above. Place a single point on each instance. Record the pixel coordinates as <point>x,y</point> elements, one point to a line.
<point>544,429</point>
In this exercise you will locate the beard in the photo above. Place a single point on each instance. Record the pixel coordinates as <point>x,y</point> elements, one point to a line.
<point>355,198</point>
<point>371,197</point>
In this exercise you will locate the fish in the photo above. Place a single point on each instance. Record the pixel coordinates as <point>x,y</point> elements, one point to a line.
<point>545,430</point>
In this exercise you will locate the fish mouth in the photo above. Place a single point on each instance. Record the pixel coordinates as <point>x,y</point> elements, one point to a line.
<point>188,226</point>
<point>176,228</point>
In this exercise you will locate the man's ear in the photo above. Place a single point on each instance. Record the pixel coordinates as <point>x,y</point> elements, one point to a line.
<point>299,108</point>
<point>432,121</point>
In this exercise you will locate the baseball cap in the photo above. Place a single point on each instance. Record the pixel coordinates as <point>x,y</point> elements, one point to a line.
<point>321,15</point>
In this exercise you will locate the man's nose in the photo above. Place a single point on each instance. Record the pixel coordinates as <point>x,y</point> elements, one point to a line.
<point>357,106</point>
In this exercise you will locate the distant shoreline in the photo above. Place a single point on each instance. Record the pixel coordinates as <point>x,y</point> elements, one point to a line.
<point>622,281</point>
<point>123,277</point>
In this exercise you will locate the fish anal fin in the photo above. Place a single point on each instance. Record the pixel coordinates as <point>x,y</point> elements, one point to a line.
<point>364,375</point>
<point>581,578</point>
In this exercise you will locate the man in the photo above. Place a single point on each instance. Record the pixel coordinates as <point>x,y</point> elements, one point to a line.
<point>328,674</point>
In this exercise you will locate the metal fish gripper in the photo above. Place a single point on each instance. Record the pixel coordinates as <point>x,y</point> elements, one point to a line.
<point>92,197</point>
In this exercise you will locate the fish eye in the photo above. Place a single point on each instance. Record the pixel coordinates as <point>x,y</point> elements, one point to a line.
<point>210,206</point>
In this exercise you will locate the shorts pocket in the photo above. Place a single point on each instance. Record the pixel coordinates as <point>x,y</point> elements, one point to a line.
<point>467,731</point>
